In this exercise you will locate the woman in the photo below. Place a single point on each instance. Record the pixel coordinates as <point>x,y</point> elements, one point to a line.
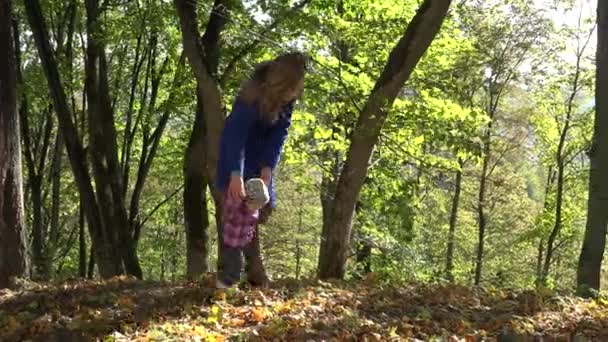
<point>250,147</point>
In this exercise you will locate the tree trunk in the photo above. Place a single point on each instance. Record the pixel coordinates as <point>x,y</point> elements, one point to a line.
<point>594,242</point>
<point>82,245</point>
<point>449,260</point>
<point>419,34</point>
<point>35,161</point>
<point>102,132</point>
<point>53,235</point>
<point>539,262</point>
<point>13,248</point>
<point>557,226</point>
<point>195,201</point>
<point>481,215</point>
<point>91,266</point>
<point>202,153</point>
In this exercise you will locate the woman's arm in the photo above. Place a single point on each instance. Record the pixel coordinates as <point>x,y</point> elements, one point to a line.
<point>236,131</point>
<point>276,139</point>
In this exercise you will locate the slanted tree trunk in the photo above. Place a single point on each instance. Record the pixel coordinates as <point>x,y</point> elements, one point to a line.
<point>419,34</point>
<point>13,247</point>
<point>203,148</point>
<point>594,242</point>
<point>449,259</point>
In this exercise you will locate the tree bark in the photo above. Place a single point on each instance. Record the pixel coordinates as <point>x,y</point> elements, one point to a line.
<point>594,242</point>
<point>53,233</point>
<point>539,262</point>
<point>13,248</point>
<point>82,245</point>
<point>449,260</point>
<point>481,205</point>
<point>195,201</point>
<point>419,34</point>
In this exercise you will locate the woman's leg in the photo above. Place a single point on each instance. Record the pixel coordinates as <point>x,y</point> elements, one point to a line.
<point>256,273</point>
<point>231,265</point>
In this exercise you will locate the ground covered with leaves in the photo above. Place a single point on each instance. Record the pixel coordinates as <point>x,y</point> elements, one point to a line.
<point>124,309</point>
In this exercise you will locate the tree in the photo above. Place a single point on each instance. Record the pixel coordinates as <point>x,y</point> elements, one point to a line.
<point>570,119</point>
<point>13,255</point>
<point>594,243</point>
<point>203,146</point>
<point>102,234</point>
<point>403,58</point>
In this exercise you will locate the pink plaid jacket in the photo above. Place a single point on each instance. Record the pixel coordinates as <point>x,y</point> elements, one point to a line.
<point>239,223</point>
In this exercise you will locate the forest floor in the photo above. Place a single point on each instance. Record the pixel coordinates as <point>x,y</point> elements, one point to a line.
<point>123,309</point>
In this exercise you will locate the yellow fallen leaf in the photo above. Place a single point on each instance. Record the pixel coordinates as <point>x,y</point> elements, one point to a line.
<point>259,314</point>
<point>215,314</point>
<point>200,331</point>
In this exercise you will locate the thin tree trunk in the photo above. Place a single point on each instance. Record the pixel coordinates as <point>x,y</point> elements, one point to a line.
<point>481,215</point>
<point>82,245</point>
<point>483,181</point>
<point>91,266</point>
<point>560,159</point>
<point>559,199</point>
<point>419,34</point>
<point>35,148</point>
<point>539,262</point>
<point>53,235</point>
<point>13,248</point>
<point>594,242</point>
<point>449,260</point>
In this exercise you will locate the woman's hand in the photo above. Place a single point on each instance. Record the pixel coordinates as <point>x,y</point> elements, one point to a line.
<point>236,189</point>
<point>266,175</point>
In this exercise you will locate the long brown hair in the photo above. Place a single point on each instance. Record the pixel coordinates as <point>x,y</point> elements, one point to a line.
<point>275,83</point>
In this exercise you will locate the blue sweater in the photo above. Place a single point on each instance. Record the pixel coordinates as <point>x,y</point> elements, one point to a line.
<point>249,144</point>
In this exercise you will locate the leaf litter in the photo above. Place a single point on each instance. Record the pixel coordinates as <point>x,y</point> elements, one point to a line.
<point>124,309</point>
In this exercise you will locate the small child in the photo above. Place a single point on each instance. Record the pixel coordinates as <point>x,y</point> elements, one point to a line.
<point>250,147</point>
